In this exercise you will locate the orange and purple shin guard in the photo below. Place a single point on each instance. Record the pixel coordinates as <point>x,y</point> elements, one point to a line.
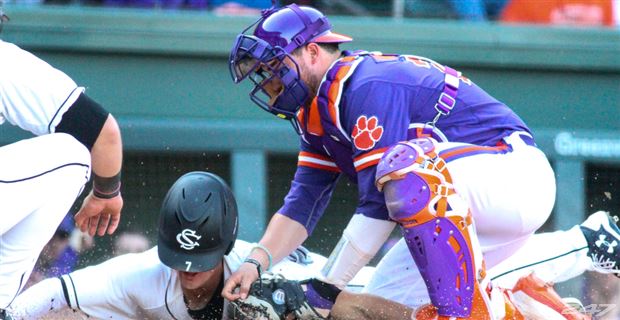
<point>437,226</point>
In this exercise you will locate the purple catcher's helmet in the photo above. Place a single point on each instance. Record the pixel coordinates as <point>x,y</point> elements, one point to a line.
<point>261,57</point>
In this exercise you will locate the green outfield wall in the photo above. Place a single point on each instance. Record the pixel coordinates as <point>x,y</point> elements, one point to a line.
<point>164,75</point>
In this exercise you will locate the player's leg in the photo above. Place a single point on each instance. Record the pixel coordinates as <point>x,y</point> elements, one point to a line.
<point>559,256</point>
<point>529,296</point>
<point>397,278</point>
<point>40,178</point>
<point>510,191</point>
<point>511,195</point>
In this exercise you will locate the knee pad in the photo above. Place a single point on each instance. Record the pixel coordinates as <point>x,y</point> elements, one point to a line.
<point>415,182</point>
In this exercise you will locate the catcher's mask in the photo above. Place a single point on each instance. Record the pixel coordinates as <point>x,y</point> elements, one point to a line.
<point>265,57</point>
<point>198,223</point>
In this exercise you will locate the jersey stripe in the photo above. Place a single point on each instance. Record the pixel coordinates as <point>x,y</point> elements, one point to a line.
<point>68,288</point>
<point>334,91</point>
<point>316,161</point>
<point>314,119</point>
<point>368,159</point>
<point>465,151</point>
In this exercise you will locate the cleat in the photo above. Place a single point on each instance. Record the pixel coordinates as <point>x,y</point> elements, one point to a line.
<point>603,236</point>
<point>536,299</point>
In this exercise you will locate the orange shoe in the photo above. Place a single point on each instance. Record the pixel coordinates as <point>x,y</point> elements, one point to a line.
<point>536,299</point>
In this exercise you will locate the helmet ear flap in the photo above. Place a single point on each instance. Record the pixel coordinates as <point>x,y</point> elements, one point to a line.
<point>233,207</point>
<point>229,249</point>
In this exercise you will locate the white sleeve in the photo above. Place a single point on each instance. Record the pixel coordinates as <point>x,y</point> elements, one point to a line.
<point>355,249</point>
<point>118,288</point>
<point>33,94</point>
<point>44,298</point>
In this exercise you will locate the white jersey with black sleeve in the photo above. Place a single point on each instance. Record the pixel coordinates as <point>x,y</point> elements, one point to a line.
<point>33,94</point>
<point>133,286</point>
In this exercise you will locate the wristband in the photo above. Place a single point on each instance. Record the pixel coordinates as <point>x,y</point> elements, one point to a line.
<point>321,294</point>
<point>256,263</point>
<point>106,188</point>
<point>269,256</point>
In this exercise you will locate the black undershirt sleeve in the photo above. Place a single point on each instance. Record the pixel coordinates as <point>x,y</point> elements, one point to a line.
<point>83,120</point>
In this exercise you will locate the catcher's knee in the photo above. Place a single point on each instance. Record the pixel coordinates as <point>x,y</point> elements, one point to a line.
<point>413,180</point>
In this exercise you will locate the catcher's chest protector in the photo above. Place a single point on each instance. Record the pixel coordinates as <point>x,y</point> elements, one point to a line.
<point>437,226</point>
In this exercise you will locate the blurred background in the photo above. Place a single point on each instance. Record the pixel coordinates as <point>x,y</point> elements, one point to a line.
<point>160,66</point>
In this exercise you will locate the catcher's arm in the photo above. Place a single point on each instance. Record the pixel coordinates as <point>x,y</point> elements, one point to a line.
<point>283,236</point>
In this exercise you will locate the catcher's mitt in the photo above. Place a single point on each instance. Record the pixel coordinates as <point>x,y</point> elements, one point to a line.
<point>273,297</point>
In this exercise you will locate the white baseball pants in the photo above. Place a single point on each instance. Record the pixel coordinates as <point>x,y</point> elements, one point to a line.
<point>40,178</point>
<point>510,196</point>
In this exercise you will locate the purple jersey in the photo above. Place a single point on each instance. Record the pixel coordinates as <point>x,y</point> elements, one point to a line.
<point>369,102</point>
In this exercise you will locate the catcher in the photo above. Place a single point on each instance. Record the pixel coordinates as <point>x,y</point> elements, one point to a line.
<point>400,166</point>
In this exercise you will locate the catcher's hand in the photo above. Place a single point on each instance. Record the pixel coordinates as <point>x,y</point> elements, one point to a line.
<point>273,297</point>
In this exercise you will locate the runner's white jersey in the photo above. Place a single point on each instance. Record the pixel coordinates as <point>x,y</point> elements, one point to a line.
<point>33,94</point>
<point>135,286</point>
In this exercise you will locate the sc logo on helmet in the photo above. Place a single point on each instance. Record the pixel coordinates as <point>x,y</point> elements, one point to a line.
<point>188,239</point>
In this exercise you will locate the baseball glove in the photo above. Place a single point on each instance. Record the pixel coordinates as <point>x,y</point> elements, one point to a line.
<point>273,297</point>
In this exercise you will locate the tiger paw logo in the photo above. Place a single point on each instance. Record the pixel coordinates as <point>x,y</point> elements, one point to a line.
<point>366,133</point>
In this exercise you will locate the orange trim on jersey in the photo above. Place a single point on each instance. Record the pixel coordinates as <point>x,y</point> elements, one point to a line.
<point>438,66</point>
<point>384,57</point>
<point>317,161</point>
<point>334,91</point>
<point>315,156</point>
<point>464,79</point>
<point>449,154</point>
<point>367,164</point>
<point>368,159</point>
<point>317,166</point>
<point>314,119</point>
<point>419,62</point>
<point>364,155</point>
<point>334,88</point>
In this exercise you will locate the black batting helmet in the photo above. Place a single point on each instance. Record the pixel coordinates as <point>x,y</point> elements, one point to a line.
<point>197,223</point>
